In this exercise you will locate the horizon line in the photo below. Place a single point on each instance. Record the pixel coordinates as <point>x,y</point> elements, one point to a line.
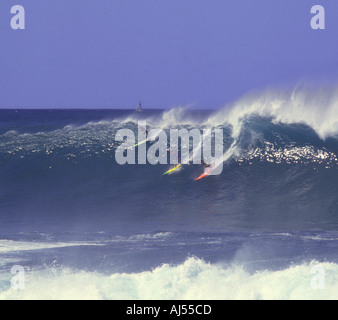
<point>106,109</point>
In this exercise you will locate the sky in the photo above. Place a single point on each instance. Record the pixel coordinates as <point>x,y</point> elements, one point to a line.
<point>166,53</point>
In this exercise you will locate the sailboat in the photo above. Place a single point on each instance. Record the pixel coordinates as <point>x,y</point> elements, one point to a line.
<point>139,107</point>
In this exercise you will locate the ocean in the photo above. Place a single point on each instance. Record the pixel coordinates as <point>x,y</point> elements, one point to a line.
<point>75,224</point>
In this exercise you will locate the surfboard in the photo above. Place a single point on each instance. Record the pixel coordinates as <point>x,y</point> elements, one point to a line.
<point>140,143</point>
<point>136,145</point>
<point>204,174</point>
<point>173,169</point>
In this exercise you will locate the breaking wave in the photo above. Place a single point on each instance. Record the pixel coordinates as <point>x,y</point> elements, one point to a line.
<point>280,160</point>
<point>192,280</point>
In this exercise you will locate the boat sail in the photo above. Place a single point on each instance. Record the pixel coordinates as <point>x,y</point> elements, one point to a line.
<point>139,107</point>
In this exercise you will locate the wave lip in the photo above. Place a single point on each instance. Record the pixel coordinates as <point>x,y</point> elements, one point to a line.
<point>315,107</point>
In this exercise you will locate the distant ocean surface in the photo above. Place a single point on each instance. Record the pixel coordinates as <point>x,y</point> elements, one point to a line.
<point>84,227</point>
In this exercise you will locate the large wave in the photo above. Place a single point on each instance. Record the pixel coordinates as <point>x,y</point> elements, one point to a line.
<point>280,173</point>
<point>280,169</point>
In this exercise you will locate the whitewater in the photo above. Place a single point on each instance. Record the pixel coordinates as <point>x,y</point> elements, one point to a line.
<point>84,227</point>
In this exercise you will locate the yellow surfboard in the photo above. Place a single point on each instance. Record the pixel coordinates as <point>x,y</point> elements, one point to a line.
<point>173,169</point>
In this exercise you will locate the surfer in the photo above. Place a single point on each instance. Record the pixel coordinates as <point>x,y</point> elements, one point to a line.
<point>207,169</point>
<point>204,164</point>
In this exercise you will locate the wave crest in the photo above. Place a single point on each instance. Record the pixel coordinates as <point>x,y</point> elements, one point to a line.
<point>317,108</point>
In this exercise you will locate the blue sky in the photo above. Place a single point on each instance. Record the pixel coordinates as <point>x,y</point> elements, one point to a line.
<point>166,53</point>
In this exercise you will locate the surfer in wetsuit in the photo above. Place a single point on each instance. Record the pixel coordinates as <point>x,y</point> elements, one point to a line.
<point>204,164</point>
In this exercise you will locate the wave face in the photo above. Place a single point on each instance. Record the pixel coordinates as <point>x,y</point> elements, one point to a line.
<point>64,172</point>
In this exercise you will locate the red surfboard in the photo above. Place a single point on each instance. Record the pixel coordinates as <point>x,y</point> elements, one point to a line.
<point>204,174</point>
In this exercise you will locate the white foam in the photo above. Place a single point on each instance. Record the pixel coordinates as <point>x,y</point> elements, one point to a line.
<point>140,237</point>
<point>176,116</point>
<point>147,236</point>
<point>193,279</point>
<point>12,246</point>
<point>315,107</point>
